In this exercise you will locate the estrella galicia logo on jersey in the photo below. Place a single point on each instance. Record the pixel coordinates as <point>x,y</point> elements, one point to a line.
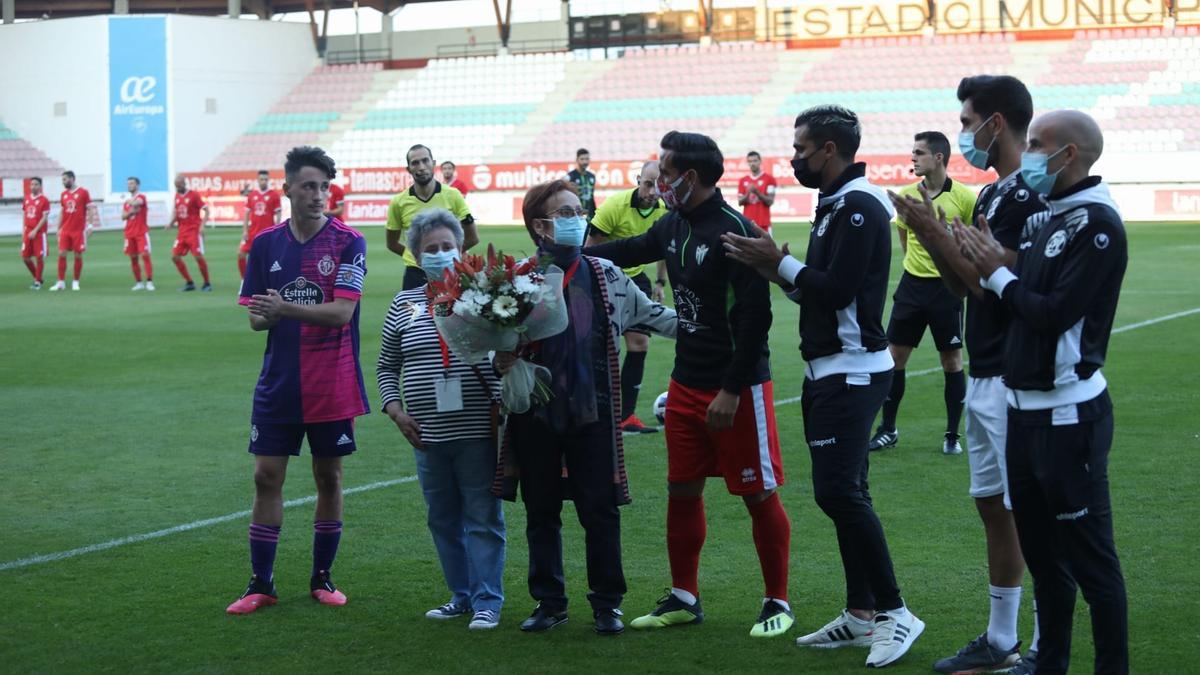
<point>1101,241</point>
<point>303,292</point>
<point>253,433</point>
<point>360,261</point>
<point>823,225</point>
<point>701,252</point>
<point>325,266</point>
<point>1058,241</point>
<point>857,220</point>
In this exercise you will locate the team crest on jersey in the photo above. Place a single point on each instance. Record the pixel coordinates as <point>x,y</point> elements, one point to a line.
<point>1058,241</point>
<point>992,207</point>
<point>823,225</point>
<point>325,266</point>
<point>303,292</point>
<point>701,252</point>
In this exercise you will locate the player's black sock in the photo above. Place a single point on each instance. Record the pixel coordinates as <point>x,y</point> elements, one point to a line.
<point>892,405</point>
<point>631,381</point>
<point>956,393</point>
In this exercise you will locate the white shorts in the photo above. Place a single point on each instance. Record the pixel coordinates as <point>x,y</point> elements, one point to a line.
<point>987,431</point>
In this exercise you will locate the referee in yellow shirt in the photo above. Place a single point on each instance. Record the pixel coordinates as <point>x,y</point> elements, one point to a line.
<point>922,299</point>
<point>623,215</point>
<point>426,193</point>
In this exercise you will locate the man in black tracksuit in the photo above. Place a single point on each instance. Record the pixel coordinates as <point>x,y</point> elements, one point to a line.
<point>720,418</point>
<point>1062,297</point>
<point>841,289</point>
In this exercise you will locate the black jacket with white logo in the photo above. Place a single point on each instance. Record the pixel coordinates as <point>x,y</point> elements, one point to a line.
<point>724,307</point>
<point>1007,204</point>
<point>1062,298</point>
<point>842,285</point>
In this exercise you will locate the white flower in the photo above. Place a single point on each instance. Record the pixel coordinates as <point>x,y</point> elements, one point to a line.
<point>526,286</point>
<point>505,288</point>
<point>474,297</point>
<point>481,280</point>
<point>465,308</point>
<point>505,307</point>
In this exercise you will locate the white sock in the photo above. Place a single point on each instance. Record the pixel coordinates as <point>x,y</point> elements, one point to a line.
<point>1002,623</point>
<point>1037,628</point>
<point>860,622</point>
<point>683,595</point>
<point>782,602</point>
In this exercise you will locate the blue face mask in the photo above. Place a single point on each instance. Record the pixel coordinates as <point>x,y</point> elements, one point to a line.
<point>966,145</point>
<point>435,264</point>
<point>1034,173</point>
<point>569,231</point>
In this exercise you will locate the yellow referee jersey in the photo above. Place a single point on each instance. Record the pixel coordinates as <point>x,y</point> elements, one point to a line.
<point>406,205</point>
<point>619,217</point>
<point>955,199</point>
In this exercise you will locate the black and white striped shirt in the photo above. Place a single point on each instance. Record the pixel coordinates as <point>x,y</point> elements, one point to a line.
<point>411,354</point>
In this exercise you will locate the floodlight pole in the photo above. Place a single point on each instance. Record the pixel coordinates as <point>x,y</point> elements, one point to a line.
<point>503,23</point>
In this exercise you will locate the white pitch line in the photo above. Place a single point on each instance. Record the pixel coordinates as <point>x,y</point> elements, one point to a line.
<point>134,539</point>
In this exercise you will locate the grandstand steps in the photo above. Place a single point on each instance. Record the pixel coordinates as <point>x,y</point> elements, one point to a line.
<point>579,75</point>
<point>384,81</point>
<point>763,110</point>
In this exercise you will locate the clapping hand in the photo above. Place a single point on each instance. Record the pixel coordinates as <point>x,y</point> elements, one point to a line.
<point>919,215</point>
<point>979,246</point>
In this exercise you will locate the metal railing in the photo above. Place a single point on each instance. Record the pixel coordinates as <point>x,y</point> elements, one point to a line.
<point>356,56</point>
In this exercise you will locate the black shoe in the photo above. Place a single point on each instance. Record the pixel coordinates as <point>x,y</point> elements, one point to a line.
<point>883,438</point>
<point>543,619</point>
<point>206,288</point>
<point>189,286</point>
<point>950,446</point>
<point>608,622</point>
<point>1027,665</point>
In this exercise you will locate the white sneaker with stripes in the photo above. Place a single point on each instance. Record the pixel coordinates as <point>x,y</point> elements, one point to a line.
<point>895,632</point>
<point>844,631</point>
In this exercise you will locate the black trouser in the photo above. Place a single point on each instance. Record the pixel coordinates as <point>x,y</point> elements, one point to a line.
<point>588,455</point>
<point>414,277</point>
<point>837,426</point>
<point>1058,482</point>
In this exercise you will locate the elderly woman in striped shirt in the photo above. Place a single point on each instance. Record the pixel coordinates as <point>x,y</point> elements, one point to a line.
<point>443,407</point>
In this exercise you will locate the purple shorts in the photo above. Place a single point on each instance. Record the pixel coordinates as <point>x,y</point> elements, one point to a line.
<point>325,439</point>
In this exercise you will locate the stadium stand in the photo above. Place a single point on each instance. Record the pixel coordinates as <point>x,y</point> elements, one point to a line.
<point>20,159</point>
<point>541,107</point>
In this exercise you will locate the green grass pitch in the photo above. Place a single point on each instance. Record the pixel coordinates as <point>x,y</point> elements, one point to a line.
<point>128,413</point>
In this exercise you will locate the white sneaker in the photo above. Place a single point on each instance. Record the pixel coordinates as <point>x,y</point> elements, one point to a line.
<point>58,286</point>
<point>844,631</point>
<point>139,286</point>
<point>149,285</point>
<point>895,632</point>
<point>74,285</point>
<point>484,619</point>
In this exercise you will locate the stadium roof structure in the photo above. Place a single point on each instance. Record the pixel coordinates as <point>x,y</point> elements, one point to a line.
<point>265,9</point>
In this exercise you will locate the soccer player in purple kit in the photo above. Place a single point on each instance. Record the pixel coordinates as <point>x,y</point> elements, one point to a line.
<point>303,282</point>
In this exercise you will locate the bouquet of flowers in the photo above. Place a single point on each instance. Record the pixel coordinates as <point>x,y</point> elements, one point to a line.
<point>496,304</point>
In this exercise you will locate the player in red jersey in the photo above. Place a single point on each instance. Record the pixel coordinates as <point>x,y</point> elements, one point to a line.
<point>448,178</point>
<point>756,193</point>
<point>262,211</point>
<point>191,215</point>
<point>36,211</point>
<point>137,234</point>
<point>337,202</point>
<point>73,229</point>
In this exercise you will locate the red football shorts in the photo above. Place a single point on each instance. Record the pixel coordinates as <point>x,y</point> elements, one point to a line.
<point>137,245</point>
<point>188,242</point>
<point>34,247</point>
<point>74,242</point>
<point>244,249</point>
<point>746,454</point>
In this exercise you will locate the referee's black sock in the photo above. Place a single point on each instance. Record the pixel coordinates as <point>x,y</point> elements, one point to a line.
<point>956,393</point>
<point>631,381</point>
<point>892,405</point>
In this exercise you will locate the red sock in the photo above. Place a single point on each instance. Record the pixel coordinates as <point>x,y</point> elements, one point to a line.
<point>686,530</point>
<point>137,270</point>
<point>203,265</point>
<point>182,267</point>
<point>32,268</point>
<point>78,266</point>
<point>149,267</point>
<point>242,267</point>
<point>62,267</point>
<point>41,267</point>
<point>772,538</point>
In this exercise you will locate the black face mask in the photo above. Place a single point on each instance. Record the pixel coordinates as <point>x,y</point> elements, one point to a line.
<point>806,176</point>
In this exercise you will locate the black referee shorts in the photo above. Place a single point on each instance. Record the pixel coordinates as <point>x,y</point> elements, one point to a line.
<point>921,302</point>
<point>643,282</point>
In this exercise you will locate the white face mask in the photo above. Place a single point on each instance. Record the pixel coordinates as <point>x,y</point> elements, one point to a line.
<point>435,264</point>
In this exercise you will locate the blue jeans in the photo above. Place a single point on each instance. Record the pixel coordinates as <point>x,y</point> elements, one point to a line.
<point>465,519</point>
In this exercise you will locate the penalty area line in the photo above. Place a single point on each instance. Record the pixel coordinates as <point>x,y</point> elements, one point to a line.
<point>186,527</point>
